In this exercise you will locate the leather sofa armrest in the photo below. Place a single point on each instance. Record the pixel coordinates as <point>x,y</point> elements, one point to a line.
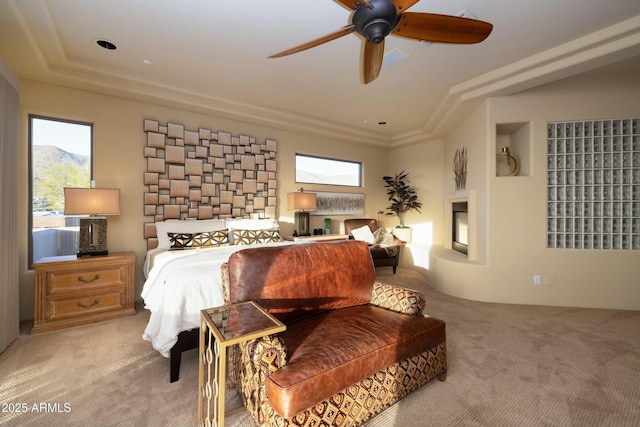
<point>397,298</point>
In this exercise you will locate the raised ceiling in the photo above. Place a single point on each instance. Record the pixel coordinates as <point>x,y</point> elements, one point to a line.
<point>211,56</point>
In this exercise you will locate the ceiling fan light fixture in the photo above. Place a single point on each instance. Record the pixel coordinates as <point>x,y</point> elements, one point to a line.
<point>375,31</point>
<point>375,19</point>
<point>375,23</point>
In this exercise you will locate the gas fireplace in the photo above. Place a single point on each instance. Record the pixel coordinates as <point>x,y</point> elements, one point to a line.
<point>460,227</point>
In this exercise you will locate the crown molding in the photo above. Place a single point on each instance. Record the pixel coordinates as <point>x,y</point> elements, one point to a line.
<point>607,46</point>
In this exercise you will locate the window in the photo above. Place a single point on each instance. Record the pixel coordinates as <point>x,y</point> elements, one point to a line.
<point>593,184</point>
<point>60,156</point>
<point>320,170</point>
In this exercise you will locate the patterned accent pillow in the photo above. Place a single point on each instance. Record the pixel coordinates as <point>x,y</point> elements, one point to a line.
<point>397,298</point>
<point>253,237</point>
<point>206,239</point>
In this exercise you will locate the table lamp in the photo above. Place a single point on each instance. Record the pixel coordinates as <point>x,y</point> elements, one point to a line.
<point>302,203</point>
<point>95,202</point>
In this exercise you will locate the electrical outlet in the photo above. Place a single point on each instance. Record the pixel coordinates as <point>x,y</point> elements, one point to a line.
<point>536,280</point>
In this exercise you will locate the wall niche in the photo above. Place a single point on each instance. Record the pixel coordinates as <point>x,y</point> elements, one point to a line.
<point>513,149</point>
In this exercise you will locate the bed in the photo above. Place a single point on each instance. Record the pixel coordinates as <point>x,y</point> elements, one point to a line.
<point>183,276</point>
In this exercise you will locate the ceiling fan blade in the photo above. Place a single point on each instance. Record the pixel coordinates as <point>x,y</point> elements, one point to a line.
<point>354,4</point>
<point>313,43</point>
<point>442,28</point>
<point>403,5</point>
<point>372,61</point>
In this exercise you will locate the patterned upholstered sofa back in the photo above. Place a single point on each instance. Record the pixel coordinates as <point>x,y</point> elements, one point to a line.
<point>296,280</point>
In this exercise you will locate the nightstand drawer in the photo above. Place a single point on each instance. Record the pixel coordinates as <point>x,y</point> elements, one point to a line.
<point>65,281</point>
<point>72,291</point>
<point>82,305</point>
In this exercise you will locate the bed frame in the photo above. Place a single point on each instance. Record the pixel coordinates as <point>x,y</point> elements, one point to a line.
<point>187,340</point>
<point>204,174</point>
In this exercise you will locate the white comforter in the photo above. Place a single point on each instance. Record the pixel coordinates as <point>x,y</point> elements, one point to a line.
<point>180,284</point>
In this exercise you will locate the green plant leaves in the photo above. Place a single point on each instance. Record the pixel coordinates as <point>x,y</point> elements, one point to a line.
<point>402,196</point>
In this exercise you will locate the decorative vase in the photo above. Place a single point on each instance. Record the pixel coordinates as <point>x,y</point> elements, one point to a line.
<point>327,226</point>
<point>460,168</point>
<point>507,164</point>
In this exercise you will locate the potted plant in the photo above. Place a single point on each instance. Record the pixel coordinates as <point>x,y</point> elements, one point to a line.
<point>402,199</point>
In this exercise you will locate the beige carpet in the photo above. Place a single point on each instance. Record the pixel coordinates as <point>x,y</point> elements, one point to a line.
<point>508,366</point>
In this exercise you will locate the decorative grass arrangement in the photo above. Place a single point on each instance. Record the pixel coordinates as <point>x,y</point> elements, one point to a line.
<point>460,168</point>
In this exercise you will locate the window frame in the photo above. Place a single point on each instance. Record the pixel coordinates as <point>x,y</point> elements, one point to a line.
<point>331,159</point>
<point>30,135</point>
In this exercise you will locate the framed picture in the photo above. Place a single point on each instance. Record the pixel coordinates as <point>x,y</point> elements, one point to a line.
<point>339,203</point>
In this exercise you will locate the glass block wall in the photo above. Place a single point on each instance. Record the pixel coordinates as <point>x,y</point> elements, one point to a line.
<point>593,184</point>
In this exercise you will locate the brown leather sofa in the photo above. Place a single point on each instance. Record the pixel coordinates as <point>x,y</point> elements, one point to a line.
<point>381,256</point>
<point>353,346</point>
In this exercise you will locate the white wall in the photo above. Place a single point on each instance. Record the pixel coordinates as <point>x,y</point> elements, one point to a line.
<point>119,163</point>
<point>509,253</point>
<point>515,207</point>
<point>424,164</point>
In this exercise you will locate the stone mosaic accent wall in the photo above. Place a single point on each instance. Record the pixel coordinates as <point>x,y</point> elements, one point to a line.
<point>205,174</point>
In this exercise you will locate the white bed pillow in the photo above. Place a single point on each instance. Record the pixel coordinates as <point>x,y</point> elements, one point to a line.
<point>185,226</point>
<point>253,224</point>
<point>365,234</point>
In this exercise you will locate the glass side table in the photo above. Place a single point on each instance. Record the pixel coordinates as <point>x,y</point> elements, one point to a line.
<point>222,327</point>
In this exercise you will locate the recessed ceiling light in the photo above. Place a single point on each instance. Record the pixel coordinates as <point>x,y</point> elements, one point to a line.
<point>146,62</point>
<point>106,44</point>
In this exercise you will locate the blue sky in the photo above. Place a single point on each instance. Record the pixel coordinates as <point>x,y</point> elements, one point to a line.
<point>71,137</point>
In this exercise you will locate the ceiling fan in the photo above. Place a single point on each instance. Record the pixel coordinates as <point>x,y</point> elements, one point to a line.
<point>376,19</point>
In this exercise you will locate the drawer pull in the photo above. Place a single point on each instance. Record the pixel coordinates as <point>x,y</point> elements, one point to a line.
<point>83,305</point>
<point>83,280</point>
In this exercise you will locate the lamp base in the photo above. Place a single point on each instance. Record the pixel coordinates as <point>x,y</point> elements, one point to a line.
<point>301,224</point>
<point>94,253</point>
<point>93,236</point>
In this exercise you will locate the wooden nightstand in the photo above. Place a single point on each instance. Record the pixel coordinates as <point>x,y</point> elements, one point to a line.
<point>72,291</point>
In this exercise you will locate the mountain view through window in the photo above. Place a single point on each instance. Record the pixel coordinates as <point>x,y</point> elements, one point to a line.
<point>60,157</point>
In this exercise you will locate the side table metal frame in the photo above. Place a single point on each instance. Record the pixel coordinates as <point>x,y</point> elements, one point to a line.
<point>220,328</point>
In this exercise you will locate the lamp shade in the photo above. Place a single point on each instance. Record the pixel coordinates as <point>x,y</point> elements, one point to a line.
<point>302,201</point>
<point>91,201</point>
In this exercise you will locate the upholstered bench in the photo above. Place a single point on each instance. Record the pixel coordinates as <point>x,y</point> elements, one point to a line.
<point>352,347</point>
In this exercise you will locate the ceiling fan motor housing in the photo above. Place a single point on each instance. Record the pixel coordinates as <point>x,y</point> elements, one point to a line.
<point>375,23</point>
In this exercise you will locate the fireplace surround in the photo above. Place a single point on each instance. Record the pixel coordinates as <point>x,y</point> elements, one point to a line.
<point>461,219</point>
<point>460,227</point>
